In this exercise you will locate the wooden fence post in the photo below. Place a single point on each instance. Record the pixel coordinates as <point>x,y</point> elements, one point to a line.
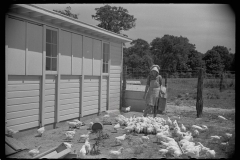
<point>221,81</point>
<point>199,104</point>
<point>124,86</point>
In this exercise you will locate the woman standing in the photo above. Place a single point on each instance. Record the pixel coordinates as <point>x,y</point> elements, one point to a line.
<point>151,95</point>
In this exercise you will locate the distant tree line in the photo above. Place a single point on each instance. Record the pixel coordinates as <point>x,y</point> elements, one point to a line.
<point>174,53</point>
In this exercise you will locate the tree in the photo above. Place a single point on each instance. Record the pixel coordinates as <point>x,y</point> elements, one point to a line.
<point>138,56</point>
<point>114,19</point>
<point>195,60</point>
<point>226,59</point>
<point>171,52</point>
<point>213,62</point>
<point>67,12</point>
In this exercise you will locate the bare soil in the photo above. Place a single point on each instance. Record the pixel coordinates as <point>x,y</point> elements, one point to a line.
<point>133,148</point>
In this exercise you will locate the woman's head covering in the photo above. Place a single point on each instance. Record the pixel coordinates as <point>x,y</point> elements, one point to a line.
<point>155,68</point>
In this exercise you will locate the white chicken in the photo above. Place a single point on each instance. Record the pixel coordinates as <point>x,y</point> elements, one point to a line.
<point>222,118</point>
<point>71,132</point>
<point>68,145</point>
<point>174,150</point>
<point>79,123</point>
<point>145,138</point>
<point>170,143</point>
<point>228,136</point>
<point>10,132</point>
<point>69,136</point>
<point>128,109</point>
<point>195,133</point>
<point>71,125</point>
<point>193,151</point>
<point>204,127</point>
<point>183,128</point>
<point>163,151</point>
<point>215,139</point>
<point>197,127</point>
<point>106,116</point>
<point>84,136</point>
<point>116,153</point>
<point>119,139</point>
<point>117,126</point>
<point>34,152</point>
<point>87,145</point>
<point>40,131</point>
<point>83,151</point>
<point>90,125</point>
<point>169,122</point>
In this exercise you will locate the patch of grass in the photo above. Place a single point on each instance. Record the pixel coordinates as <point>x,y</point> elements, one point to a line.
<point>177,102</point>
<point>138,149</point>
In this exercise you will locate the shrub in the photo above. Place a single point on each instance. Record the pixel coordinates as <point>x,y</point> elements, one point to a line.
<point>188,75</point>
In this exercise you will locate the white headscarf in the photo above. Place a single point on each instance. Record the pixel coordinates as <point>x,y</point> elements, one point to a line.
<point>155,69</point>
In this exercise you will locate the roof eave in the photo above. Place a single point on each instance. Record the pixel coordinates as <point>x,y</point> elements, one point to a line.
<point>59,16</point>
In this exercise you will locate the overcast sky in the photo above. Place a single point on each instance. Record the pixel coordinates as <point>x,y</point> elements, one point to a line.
<point>205,25</point>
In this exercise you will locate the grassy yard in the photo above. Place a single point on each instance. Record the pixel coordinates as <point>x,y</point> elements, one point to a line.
<point>183,91</point>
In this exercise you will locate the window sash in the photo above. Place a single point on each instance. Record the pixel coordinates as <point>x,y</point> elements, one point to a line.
<point>51,49</point>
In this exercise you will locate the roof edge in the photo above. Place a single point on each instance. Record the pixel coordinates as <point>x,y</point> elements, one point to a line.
<point>80,23</point>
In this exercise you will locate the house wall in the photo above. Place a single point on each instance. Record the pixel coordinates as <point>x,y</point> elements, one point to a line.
<point>69,97</point>
<point>23,102</point>
<point>80,65</point>
<point>115,74</point>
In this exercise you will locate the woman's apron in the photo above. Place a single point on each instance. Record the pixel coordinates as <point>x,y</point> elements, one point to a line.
<point>153,93</point>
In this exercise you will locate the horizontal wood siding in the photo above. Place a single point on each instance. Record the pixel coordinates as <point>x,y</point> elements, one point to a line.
<point>23,101</point>
<point>69,97</point>
<point>90,95</point>
<point>50,98</point>
<point>104,93</point>
<point>115,71</point>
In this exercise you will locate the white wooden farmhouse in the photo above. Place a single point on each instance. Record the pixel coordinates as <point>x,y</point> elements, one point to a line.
<point>58,68</point>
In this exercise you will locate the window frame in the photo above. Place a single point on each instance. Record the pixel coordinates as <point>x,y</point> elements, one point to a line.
<point>105,73</point>
<point>57,43</point>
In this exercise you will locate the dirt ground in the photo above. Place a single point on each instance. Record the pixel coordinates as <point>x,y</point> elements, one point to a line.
<point>133,148</point>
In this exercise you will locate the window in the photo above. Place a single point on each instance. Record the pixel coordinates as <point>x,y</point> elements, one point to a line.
<point>51,50</point>
<point>106,53</point>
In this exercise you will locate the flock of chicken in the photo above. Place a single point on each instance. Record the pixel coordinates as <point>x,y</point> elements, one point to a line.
<point>174,137</point>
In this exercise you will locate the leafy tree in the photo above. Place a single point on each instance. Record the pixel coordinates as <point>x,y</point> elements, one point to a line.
<point>114,19</point>
<point>138,56</point>
<point>213,62</point>
<point>232,68</point>
<point>226,59</point>
<point>171,52</point>
<point>195,60</point>
<point>67,12</point>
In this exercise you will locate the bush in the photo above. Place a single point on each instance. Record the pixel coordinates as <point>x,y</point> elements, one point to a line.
<point>188,75</point>
<point>177,103</point>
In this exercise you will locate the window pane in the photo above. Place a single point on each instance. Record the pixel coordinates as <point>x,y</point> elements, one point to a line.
<point>106,68</point>
<point>54,50</point>
<point>103,57</point>
<point>48,50</point>
<point>48,63</point>
<point>54,64</point>
<point>54,37</point>
<point>49,35</point>
<point>103,68</point>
